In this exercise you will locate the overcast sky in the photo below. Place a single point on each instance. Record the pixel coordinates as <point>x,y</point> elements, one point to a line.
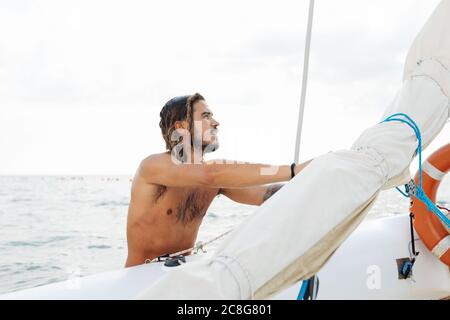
<point>82,82</point>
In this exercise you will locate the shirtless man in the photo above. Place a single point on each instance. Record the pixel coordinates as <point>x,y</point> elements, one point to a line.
<point>172,191</point>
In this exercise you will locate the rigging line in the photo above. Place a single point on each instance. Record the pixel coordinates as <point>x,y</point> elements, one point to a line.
<point>200,245</point>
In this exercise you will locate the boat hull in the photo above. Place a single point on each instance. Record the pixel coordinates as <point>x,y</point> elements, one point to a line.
<point>364,267</point>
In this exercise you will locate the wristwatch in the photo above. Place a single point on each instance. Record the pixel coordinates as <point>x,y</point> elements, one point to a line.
<point>292,170</point>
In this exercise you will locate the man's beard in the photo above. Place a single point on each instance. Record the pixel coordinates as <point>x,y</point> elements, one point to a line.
<point>210,147</point>
<point>185,157</point>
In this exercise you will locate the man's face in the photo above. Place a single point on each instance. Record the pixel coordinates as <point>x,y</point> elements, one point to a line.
<point>205,127</point>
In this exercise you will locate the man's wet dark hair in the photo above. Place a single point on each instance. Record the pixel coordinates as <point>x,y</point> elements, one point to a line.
<point>177,109</point>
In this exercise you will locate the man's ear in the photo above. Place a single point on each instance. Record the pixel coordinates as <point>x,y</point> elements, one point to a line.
<point>180,125</point>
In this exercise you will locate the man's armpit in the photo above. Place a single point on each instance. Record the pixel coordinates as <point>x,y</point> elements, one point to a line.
<point>271,190</point>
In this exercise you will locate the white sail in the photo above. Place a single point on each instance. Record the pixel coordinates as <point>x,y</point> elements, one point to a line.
<point>294,233</point>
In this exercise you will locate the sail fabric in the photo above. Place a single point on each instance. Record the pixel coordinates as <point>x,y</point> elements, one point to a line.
<point>295,232</point>
<point>432,42</point>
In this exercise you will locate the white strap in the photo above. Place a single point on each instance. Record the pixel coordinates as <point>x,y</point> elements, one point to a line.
<point>432,171</point>
<point>442,247</point>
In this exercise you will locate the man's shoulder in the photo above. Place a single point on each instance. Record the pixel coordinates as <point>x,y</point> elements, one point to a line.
<point>156,158</point>
<point>153,162</point>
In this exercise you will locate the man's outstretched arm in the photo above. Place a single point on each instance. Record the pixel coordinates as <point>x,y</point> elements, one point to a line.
<point>160,169</point>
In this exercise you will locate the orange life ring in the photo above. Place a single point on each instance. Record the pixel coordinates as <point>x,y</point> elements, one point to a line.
<point>429,227</point>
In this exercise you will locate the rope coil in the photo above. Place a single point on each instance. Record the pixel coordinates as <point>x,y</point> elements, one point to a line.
<point>411,189</point>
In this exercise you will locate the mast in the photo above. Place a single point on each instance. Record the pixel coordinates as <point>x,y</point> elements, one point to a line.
<point>304,81</point>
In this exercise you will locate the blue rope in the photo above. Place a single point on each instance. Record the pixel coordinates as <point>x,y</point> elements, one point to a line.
<point>303,288</point>
<point>432,207</point>
<point>403,193</point>
<point>418,192</point>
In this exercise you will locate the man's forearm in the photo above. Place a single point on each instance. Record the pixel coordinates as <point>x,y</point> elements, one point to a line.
<point>225,174</point>
<point>257,195</point>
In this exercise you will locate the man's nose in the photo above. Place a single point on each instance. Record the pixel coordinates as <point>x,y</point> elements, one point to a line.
<point>215,123</point>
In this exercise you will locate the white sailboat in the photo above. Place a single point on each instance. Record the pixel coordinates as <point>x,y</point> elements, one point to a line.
<point>271,256</point>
